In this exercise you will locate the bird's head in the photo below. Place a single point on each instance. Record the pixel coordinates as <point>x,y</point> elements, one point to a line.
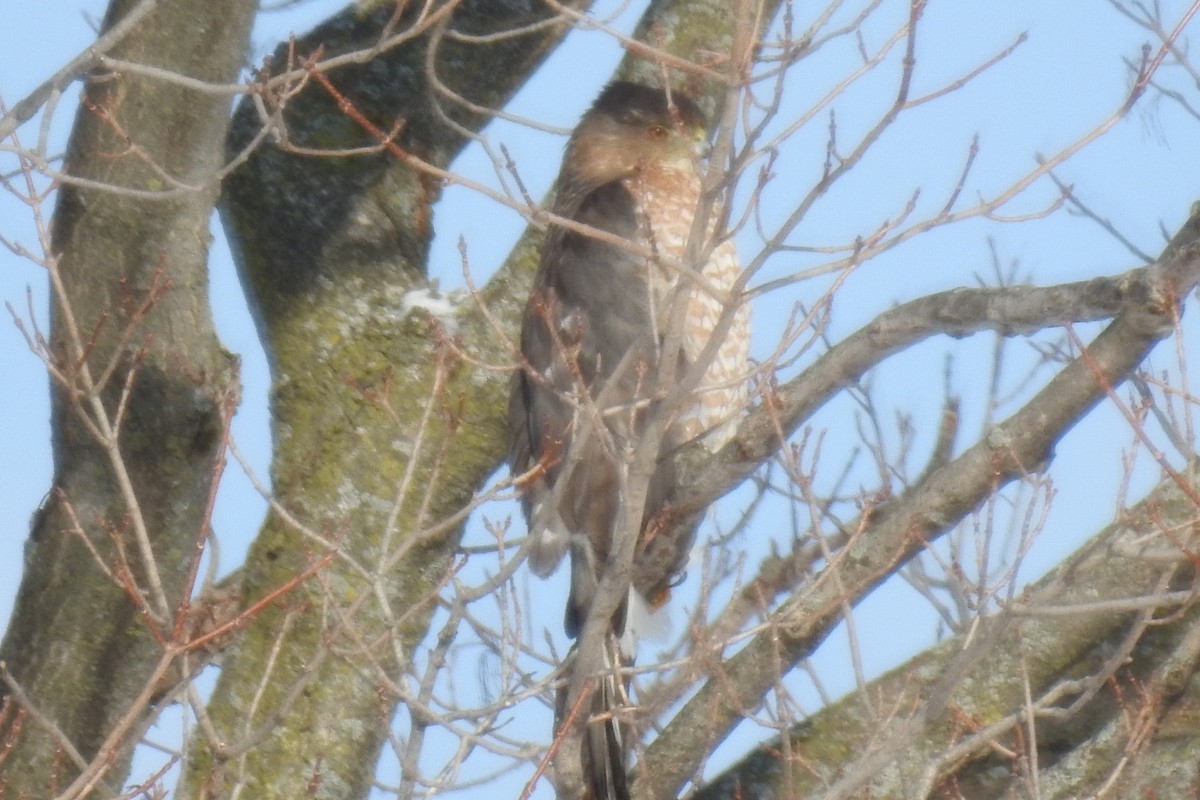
<point>632,127</point>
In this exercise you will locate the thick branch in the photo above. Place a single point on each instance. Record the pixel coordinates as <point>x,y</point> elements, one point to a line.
<point>1010,311</point>
<point>1059,641</point>
<point>381,437</point>
<point>1015,447</point>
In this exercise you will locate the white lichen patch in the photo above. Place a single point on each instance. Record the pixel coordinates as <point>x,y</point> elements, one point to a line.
<point>440,306</point>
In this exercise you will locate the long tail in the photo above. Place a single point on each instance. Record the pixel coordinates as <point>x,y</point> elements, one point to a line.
<point>605,734</point>
<point>605,742</point>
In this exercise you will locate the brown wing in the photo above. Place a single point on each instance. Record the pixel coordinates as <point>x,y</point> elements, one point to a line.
<point>590,348</point>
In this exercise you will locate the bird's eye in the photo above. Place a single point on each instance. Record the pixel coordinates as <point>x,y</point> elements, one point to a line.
<point>658,132</point>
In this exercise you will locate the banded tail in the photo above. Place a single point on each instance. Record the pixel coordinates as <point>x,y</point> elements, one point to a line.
<point>605,743</point>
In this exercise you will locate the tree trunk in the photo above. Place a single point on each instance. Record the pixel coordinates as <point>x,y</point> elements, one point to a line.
<point>141,395</point>
<point>382,434</point>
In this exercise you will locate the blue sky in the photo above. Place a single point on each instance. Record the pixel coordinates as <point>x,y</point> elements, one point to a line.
<point>1067,78</point>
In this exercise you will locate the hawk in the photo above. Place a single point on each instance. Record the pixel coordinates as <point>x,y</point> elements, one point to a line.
<point>623,306</point>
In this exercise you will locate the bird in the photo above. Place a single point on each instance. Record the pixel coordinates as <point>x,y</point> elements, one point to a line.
<point>623,305</point>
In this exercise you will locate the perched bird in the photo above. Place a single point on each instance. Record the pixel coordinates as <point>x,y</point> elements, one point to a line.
<point>616,318</point>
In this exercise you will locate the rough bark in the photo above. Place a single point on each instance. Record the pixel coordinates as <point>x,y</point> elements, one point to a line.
<point>382,435</point>
<point>129,289</point>
<point>1057,640</point>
